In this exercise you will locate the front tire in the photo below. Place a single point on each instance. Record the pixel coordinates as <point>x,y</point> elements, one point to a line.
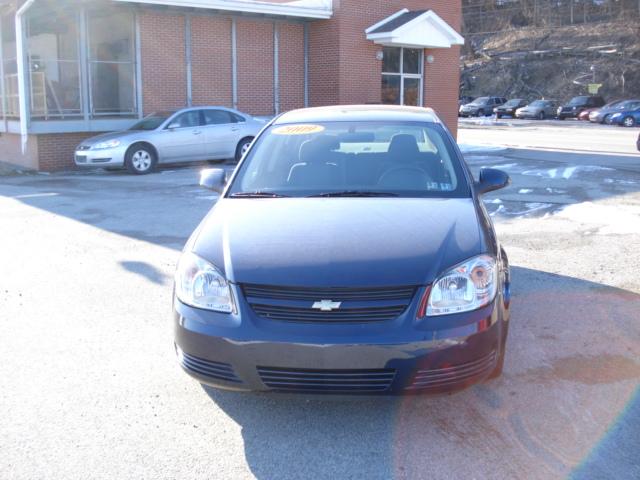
<point>629,122</point>
<point>243,147</point>
<point>481,113</point>
<point>140,159</point>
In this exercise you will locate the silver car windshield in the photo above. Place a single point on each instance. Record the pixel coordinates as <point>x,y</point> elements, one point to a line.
<point>352,159</point>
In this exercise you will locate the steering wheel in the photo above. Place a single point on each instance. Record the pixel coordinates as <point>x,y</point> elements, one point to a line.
<point>413,178</point>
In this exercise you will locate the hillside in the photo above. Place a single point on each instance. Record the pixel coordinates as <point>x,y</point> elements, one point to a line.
<point>554,63</point>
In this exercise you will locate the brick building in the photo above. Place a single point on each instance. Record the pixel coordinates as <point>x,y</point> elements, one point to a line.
<point>74,68</point>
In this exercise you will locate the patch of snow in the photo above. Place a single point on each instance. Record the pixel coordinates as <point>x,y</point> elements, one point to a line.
<point>505,165</point>
<point>525,190</point>
<point>611,219</point>
<point>466,148</point>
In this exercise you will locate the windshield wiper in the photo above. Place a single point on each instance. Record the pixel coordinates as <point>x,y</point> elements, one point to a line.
<point>355,193</point>
<point>257,194</point>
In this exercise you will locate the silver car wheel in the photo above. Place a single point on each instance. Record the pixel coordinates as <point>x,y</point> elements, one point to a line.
<point>629,122</point>
<point>141,160</point>
<point>244,148</point>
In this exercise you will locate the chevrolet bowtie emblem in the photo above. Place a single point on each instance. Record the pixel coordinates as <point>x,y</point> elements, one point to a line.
<point>326,305</point>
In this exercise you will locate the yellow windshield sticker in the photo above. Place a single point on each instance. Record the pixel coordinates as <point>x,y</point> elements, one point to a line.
<point>298,129</point>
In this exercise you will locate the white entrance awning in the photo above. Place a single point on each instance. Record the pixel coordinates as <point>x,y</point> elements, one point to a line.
<point>414,29</point>
<point>322,9</point>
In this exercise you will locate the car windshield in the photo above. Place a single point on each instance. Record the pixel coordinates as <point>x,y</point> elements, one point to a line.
<point>578,101</point>
<point>617,104</point>
<point>538,103</point>
<point>480,101</point>
<point>352,159</point>
<point>152,121</point>
<point>513,103</point>
<point>628,105</point>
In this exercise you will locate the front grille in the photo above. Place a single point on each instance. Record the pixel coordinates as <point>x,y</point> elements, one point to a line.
<point>327,381</point>
<point>207,368</point>
<point>81,159</point>
<point>358,305</point>
<point>451,375</point>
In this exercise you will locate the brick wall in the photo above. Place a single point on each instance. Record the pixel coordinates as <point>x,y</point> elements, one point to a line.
<point>164,75</point>
<point>291,66</point>
<point>55,150</point>
<point>11,151</point>
<point>255,67</point>
<point>324,73</point>
<point>344,65</point>
<point>211,60</point>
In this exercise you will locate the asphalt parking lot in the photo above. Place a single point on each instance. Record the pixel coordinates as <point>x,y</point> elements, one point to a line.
<point>89,385</point>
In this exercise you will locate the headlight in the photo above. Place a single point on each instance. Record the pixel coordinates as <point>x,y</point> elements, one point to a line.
<point>201,285</point>
<point>466,287</point>
<point>107,144</point>
<point>559,110</point>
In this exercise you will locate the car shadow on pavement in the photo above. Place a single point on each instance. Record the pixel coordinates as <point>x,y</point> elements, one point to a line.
<point>564,405</point>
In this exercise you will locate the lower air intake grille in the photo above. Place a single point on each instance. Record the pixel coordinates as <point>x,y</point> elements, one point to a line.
<point>207,368</point>
<point>457,374</point>
<point>327,381</point>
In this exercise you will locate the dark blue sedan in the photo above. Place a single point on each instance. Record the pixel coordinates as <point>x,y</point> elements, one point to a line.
<point>349,253</point>
<point>629,117</point>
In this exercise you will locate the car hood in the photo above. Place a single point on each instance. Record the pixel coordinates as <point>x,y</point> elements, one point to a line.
<point>338,242</point>
<point>109,136</point>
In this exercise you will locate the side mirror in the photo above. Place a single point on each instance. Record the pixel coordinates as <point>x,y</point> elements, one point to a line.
<point>490,180</point>
<point>213,179</point>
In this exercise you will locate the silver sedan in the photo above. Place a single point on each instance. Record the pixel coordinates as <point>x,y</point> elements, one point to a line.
<point>540,109</point>
<point>190,134</point>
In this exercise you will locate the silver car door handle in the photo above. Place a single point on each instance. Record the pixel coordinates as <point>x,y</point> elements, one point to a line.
<point>234,129</point>
<point>197,132</point>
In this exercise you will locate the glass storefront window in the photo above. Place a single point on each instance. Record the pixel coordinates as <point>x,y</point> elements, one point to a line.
<point>74,72</point>
<point>53,63</point>
<point>402,76</point>
<point>112,62</point>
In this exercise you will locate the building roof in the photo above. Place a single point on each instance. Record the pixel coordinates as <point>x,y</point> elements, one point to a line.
<point>291,8</point>
<point>414,29</point>
<point>359,113</point>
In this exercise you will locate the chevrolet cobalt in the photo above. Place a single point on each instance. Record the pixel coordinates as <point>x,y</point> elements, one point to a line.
<point>349,253</point>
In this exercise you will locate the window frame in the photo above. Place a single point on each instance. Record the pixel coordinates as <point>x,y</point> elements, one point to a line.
<point>416,76</point>
<point>90,62</point>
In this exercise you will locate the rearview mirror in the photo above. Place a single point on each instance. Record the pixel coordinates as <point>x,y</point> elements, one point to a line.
<point>213,179</point>
<point>490,180</point>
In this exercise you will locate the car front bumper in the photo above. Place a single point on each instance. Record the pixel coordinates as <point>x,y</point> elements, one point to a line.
<point>108,157</point>
<point>249,353</point>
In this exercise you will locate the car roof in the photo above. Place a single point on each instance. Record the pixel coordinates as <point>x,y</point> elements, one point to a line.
<point>359,113</point>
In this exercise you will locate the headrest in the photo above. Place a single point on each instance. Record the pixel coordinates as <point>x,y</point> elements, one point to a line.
<point>403,144</point>
<point>318,148</point>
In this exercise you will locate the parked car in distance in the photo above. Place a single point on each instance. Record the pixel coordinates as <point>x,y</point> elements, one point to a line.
<point>190,134</point>
<point>576,105</point>
<point>539,109</point>
<point>638,143</point>
<point>463,100</point>
<point>510,107</point>
<point>628,117</point>
<point>350,253</point>
<point>583,116</point>
<point>481,106</point>
<point>601,115</point>
<point>604,115</point>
